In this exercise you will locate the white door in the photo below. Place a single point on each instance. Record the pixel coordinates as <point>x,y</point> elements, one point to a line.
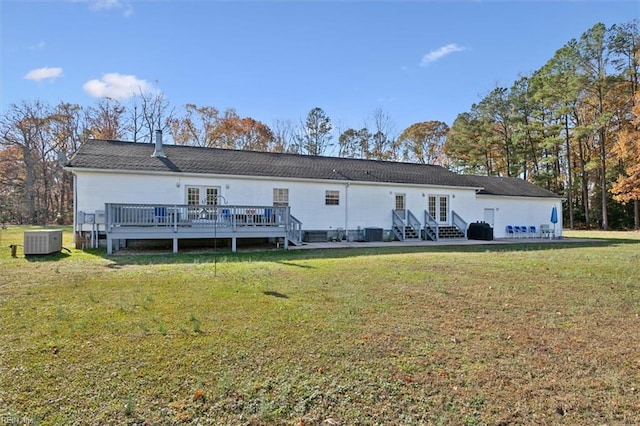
<point>489,216</point>
<point>438,208</point>
<point>202,195</point>
<point>400,206</point>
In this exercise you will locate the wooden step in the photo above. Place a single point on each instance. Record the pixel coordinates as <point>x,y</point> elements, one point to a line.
<point>449,232</point>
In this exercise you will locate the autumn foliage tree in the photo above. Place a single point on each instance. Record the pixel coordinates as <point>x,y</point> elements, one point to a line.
<point>626,188</point>
<point>235,132</point>
<point>25,135</point>
<point>424,142</point>
<point>206,127</point>
<point>571,127</point>
<point>567,127</point>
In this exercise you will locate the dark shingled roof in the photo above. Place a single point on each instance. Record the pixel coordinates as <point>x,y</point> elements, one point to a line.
<point>509,186</point>
<point>129,156</point>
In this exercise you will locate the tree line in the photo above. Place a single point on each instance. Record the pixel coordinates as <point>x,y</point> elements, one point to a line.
<point>572,127</point>
<point>37,138</point>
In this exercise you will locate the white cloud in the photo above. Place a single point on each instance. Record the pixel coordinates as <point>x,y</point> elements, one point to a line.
<point>113,5</point>
<point>117,86</point>
<point>384,100</point>
<point>128,11</point>
<point>44,73</point>
<point>440,53</point>
<point>106,4</point>
<point>38,46</point>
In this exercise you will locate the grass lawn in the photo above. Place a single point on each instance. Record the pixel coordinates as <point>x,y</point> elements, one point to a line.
<point>513,334</point>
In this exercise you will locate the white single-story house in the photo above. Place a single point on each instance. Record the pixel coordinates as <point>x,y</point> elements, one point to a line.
<point>126,191</point>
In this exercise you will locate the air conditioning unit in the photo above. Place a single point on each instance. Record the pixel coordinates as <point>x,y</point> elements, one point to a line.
<point>101,217</point>
<point>42,241</point>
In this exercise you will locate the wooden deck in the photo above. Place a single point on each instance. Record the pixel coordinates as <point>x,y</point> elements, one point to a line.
<point>175,222</point>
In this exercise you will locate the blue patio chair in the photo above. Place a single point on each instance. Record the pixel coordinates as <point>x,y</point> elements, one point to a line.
<point>510,231</point>
<point>160,215</point>
<point>268,216</point>
<point>524,231</point>
<point>516,231</point>
<point>226,215</point>
<point>533,231</point>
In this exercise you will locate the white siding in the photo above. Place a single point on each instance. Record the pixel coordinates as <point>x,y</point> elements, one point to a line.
<point>521,211</point>
<point>96,189</point>
<point>361,204</point>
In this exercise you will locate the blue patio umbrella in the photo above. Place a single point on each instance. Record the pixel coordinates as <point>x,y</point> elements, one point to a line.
<point>554,218</point>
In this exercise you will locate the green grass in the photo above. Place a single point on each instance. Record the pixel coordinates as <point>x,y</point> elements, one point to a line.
<point>525,333</point>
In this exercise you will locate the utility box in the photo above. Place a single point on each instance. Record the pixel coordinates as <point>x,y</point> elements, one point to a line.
<point>480,231</point>
<point>314,236</point>
<point>373,234</point>
<point>42,241</point>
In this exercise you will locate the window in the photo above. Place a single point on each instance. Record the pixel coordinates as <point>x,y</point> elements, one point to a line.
<point>212,196</point>
<point>432,206</point>
<point>332,198</point>
<point>444,209</point>
<point>202,195</point>
<point>400,206</point>
<point>281,197</point>
<point>438,208</point>
<point>193,196</point>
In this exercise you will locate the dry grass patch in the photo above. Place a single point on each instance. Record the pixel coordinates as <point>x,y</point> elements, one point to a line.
<point>532,333</point>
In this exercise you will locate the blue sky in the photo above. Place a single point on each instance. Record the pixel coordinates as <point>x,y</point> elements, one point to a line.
<point>276,60</point>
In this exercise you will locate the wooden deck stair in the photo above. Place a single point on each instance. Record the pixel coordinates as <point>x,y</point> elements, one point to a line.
<point>410,233</point>
<point>407,232</point>
<point>449,232</point>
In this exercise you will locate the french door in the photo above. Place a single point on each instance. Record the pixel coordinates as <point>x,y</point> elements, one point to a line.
<point>202,195</point>
<point>438,208</point>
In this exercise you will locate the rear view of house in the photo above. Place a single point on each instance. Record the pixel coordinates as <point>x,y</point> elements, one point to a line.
<point>128,191</point>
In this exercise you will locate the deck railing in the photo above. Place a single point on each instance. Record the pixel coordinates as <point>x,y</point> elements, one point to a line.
<point>413,222</point>
<point>294,229</point>
<point>397,225</point>
<point>183,215</point>
<point>459,223</point>
<point>430,227</point>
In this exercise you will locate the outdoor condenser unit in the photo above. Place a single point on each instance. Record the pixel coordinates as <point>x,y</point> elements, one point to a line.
<point>42,241</point>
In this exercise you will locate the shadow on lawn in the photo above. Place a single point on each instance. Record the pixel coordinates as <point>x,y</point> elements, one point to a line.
<point>275,294</point>
<point>53,257</point>
<point>290,258</point>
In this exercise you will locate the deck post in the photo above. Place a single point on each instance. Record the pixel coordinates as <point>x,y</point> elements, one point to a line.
<point>175,245</point>
<point>287,218</point>
<point>109,245</point>
<point>175,219</point>
<point>233,244</point>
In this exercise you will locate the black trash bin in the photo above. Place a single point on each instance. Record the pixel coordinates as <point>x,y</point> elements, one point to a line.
<point>480,231</point>
<point>372,234</point>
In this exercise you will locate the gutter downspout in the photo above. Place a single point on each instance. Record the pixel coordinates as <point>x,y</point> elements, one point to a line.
<point>75,209</point>
<point>346,210</point>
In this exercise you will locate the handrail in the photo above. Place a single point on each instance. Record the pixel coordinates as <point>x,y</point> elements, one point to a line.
<point>413,222</point>
<point>459,223</point>
<point>294,229</point>
<point>175,215</point>
<point>397,222</point>
<point>430,224</point>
